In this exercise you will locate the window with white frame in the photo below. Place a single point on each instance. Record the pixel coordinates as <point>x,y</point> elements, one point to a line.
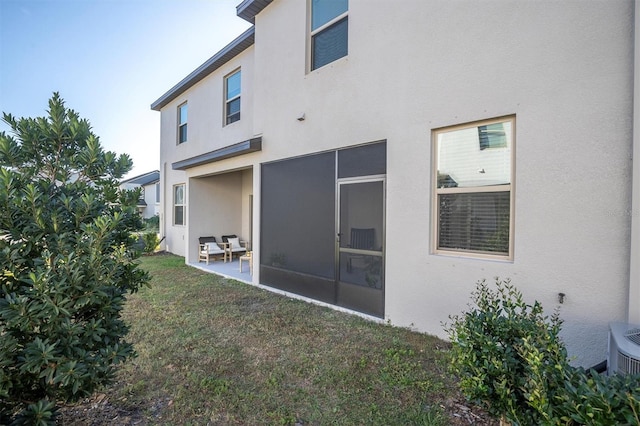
<point>157,193</point>
<point>329,31</point>
<point>182,123</point>
<point>232,89</point>
<point>473,179</point>
<point>179,205</point>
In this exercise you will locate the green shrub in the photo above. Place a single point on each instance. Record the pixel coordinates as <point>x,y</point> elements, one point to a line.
<point>152,223</point>
<point>593,399</point>
<point>151,242</point>
<point>510,360</point>
<point>66,263</point>
<point>501,348</point>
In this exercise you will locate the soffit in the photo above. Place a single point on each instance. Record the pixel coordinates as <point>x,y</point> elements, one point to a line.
<point>248,9</point>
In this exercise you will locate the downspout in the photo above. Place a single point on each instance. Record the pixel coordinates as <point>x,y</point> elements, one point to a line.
<point>634,276</point>
<point>163,204</point>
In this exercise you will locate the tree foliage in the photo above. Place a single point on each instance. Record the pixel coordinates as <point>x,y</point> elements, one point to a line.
<point>66,263</point>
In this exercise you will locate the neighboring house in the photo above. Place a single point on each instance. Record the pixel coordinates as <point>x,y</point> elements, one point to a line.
<point>149,202</point>
<point>384,156</point>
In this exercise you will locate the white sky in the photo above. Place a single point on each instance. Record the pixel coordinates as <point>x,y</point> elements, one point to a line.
<point>109,60</point>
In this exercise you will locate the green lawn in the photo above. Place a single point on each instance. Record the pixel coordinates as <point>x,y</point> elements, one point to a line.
<point>215,351</point>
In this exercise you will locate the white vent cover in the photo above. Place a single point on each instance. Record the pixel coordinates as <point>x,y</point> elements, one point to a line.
<point>624,349</point>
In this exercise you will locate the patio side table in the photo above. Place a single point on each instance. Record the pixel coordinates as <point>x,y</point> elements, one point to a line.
<point>249,258</point>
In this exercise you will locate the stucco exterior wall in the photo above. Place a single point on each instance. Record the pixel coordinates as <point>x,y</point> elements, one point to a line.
<point>563,68</point>
<point>634,279</point>
<point>150,198</point>
<point>206,133</point>
<point>219,201</point>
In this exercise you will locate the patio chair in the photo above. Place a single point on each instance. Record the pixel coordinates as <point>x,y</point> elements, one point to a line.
<point>232,245</point>
<point>362,239</point>
<point>209,249</point>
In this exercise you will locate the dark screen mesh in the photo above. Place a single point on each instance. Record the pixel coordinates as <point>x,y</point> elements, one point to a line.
<point>363,160</point>
<point>298,215</point>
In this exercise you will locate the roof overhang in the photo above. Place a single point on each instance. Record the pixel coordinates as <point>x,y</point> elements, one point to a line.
<point>230,51</point>
<point>235,150</point>
<point>248,9</point>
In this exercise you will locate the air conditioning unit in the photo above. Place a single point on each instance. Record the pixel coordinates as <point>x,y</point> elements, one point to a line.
<point>624,349</point>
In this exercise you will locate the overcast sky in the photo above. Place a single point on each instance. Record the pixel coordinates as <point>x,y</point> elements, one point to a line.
<point>109,60</point>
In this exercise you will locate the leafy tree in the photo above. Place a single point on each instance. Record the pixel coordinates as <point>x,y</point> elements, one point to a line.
<point>66,263</point>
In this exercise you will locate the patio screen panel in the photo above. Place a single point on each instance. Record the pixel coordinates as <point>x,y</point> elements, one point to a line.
<point>298,213</point>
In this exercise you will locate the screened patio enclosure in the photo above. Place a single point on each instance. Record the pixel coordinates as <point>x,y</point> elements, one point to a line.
<point>322,226</point>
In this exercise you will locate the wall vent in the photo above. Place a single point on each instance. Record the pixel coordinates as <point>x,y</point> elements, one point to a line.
<point>624,349</point>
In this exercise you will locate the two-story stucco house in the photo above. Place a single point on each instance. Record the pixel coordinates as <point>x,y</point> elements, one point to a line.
<point>149,184</point>
<point>382,156</point>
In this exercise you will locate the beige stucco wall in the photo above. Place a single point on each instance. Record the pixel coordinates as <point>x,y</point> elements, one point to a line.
<point>206,133</point>
<point>219,208</point>
<point>634,279</point>
<point>563,68</point>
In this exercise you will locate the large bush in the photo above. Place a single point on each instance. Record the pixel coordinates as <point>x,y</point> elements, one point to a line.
<point>66,263</point>
<point>489,356</point>
<point>510,360</point>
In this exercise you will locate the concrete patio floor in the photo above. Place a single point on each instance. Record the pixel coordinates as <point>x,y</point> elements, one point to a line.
<point>227,270</point>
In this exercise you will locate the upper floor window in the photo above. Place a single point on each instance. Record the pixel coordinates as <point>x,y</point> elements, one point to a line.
<point>329,31</point>
<point>157,192</point>
<point>182,123</point>
<point>473,179</point>
<point>232,97</point>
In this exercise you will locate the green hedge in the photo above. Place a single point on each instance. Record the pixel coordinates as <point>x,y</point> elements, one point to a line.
<point>510,360</point>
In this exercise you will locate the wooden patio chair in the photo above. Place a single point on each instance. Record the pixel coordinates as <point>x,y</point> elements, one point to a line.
<point>209,249</point>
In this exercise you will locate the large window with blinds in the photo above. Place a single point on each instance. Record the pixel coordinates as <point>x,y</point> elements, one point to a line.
<point>473,179</point>
<point>329,31</point>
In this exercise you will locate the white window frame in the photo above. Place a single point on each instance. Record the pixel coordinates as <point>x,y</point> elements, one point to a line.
<point>180,124</point>
<point>228,100</point>
<point>157,193</point>
<point>436,192</point>
<point>320,29</point>
<point>183,204</point>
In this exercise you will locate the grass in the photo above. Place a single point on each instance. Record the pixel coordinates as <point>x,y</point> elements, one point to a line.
<point>215,351</point>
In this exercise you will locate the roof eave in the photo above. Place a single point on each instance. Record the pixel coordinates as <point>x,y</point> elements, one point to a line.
<point>248,9</point>
<point>229,52</point>
<point>235,150</point>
